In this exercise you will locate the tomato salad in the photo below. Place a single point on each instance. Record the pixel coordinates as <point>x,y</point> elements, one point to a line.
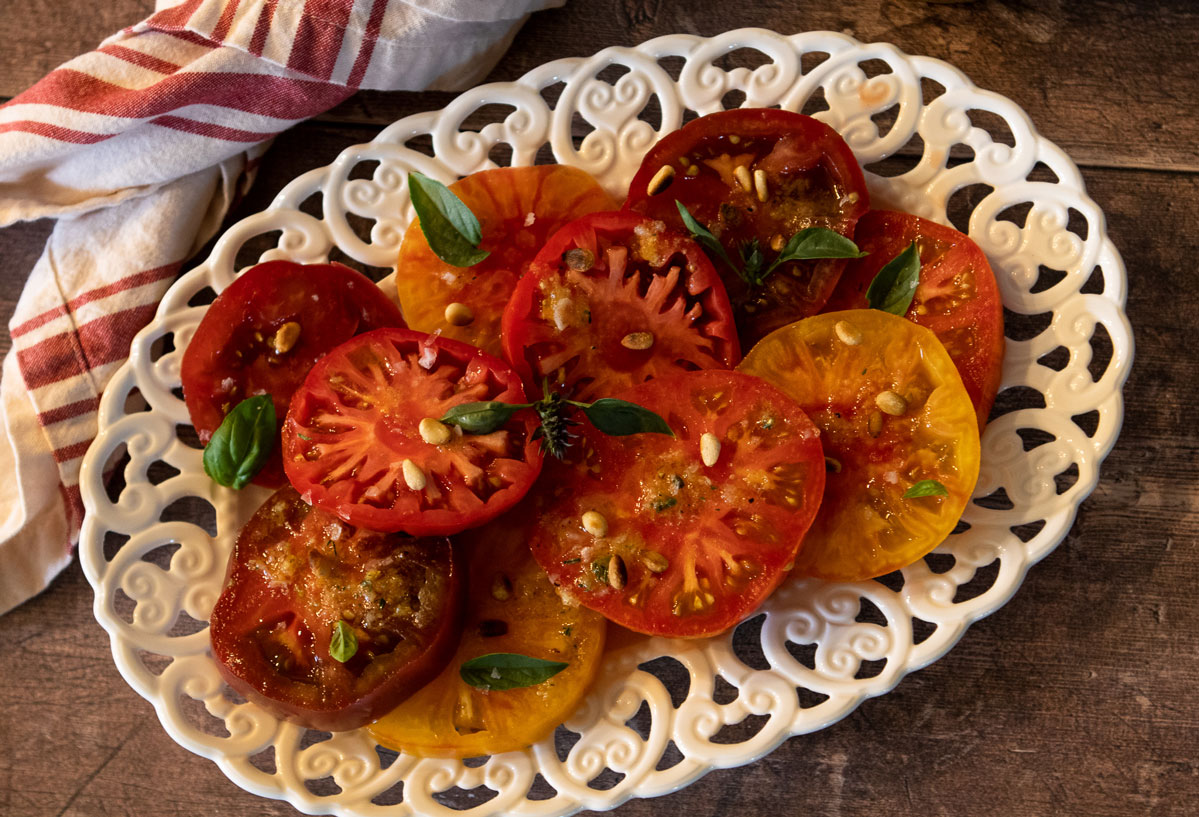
<point>568,404</point>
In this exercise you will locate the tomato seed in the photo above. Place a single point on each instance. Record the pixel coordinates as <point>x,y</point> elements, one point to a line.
<point>660,181</point>
<point>413,476</point>
<point>741,174</point>
<point>492,627</point>
<point>286,337</point>
<point>637,340</point>
<point>579,259</point>
<point>434,432</point>
<point>458,314</point>
<point>777,243</point>
<point>832,466</point>
<point>501,587</point>
<point>891,403</point>
<point>876,424</point>
<point>760,185</point>
<point>654,561</point>
<point>595,523</point>
<point>849,334</point>
<point>709,449</point>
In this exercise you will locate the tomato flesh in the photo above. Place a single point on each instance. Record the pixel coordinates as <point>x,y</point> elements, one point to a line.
<point>957,297</point>
<point>699,547</point>
<point>356,421</point>
<point>615,299</point>
<point>294,573</point>
<point>811,179</point>
<point>511,608</point>
<point>866,527</point>
<point>233,354</point>
<point>518,208</point>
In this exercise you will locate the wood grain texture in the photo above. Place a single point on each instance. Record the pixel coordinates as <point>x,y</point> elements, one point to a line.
<point>1076,698</point>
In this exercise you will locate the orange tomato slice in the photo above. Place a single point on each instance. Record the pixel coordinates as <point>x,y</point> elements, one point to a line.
<point>511,608</point>
<point>518,208</point>
<point>893,412</point>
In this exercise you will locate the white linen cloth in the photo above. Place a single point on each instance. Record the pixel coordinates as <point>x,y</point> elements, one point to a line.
<point>140,148</point>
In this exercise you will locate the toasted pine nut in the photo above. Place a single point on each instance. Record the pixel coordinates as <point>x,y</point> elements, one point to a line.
<point>709,449</point>
<point>459,314</point>
<point>433,431</point>
<point>760,185</point>
<point>637,340</point>
<point>618,575</point>
<point>413,476</point>
<point>595,523</point>
<point>891,403</point>
<point>660,181</point>
<point>286,337</point>
<point>849,334</point>
<point>741,174</point>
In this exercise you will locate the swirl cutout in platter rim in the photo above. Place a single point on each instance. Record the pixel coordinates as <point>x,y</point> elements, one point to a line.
<point>814,651</point>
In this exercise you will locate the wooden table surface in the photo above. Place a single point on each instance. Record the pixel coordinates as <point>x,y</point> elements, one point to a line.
<point>1077,697</point>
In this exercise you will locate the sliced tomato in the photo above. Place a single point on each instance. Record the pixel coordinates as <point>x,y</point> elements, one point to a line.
<point>352,442</point>
<point>296,575</point>
<point>238,351</point>
<point>957,297</point>
<point>680,548</point>
<point>894,413</point>
<point>511,608</point>
<point>811,180</point>
<point>518,208</point>
<point>615,299</point>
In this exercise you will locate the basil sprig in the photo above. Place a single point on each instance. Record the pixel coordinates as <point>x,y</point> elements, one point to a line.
<point>506,670</point>
<point>895,284</point>
<point>241,444</point>
<point>616,418</point>
<point>808,244</point>
<point>449,226</point>
<point>926,487</point>
<point>343,643</point>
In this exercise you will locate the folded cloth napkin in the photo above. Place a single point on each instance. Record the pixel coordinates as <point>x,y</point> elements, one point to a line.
<point>140,148</point>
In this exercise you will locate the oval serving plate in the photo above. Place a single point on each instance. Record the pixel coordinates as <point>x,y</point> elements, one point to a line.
<point>1069,349</point>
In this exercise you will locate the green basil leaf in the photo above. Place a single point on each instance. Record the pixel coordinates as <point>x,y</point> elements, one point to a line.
<point>343,643</point>
<point>449,226</point>
<point>240,446</point>
<point>505,670</point>
<point>752,261</point>
<point>703,237</point>
<point>894,287</point>
<point>619,418</point>
<point>481,418</point>
<point>926,487</point>
<point>818,242</point>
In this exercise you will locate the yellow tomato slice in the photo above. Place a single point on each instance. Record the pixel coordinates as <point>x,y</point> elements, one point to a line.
<point>511,608</point>
<point>893,413</point>
<point>518,209</point>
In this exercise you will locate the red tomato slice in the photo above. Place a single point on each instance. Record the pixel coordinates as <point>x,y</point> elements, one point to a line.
<point>683,548</point>
<point>957,297</point>
<point>234,354</point>
<point>352,442</point>
<point>518,208</point>
<point>811,180</point>
<point>294,574</point>
<point>615,299</point>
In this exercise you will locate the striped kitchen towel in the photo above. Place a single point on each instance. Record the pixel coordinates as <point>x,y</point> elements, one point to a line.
<point>140,148</point>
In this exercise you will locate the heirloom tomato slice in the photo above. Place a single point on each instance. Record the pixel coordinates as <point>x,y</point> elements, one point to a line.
<point>957,297</point>
<point>299,575</point>
<point>263,333</point>
<point>352,442</point>
<point>511,608</point>
<point>615,299</point>
<point>518,208</point>
<point>808,178</point>
<point>642,530</point>
<point>894,413</point>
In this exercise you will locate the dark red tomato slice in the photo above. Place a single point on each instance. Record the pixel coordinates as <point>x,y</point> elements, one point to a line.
<point>615,299</point>
<point>809,178</point>
<point>642,530</point>
<point>264,332</point>
<point>296,574</point>
<point>957,297</point>
<point>353,444</point>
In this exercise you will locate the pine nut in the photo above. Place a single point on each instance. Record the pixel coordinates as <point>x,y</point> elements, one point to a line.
<point>286,337</point>
<point>458,314</point>
<point>595,523</point>
<point>849,334</point>
<point>891,403</point>
<point>760,185</point>
<point>709,449</point>
<point>741,174</point>
<point>413,476</point>
<point>660,181</point>
<point>637,340</point>
<point>434,432</point>
<point>618,575</point>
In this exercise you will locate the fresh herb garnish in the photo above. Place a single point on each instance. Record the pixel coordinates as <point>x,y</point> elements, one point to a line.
<point>663,503</point>
<point>894,286</point>
<point>503,670</point>
<point>617,418</point>
<point>599,569</point>
<point>926,487</point>
<point>449,226</point>
<point>808,244</point>
<point>240,446</point>
<point>343,643</point>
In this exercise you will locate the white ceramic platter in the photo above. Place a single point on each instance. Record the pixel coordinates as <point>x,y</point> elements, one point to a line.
<point>818,649</point>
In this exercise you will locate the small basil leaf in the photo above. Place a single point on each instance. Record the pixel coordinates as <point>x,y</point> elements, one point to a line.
<point>619,418</point>
<point>703,237</point>
<point>505,670</point>
<point>752,260</point>
<point>894,287</point>
<point>343,643</point>
<point>818,242</point>
<point>481,418</point>
<point>240,446</point>
<point>926,487</point>
<point>449,226</point>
